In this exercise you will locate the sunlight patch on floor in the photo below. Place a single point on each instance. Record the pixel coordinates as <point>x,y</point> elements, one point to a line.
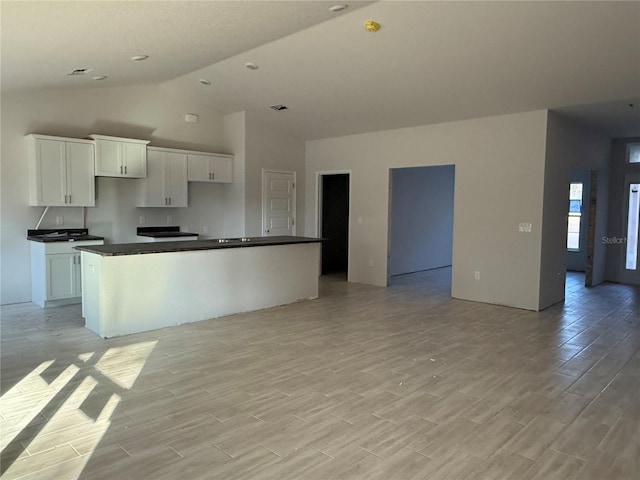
<point>68,406</point>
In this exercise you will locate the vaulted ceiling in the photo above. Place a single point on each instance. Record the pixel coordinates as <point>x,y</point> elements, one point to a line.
<point>430,62</point>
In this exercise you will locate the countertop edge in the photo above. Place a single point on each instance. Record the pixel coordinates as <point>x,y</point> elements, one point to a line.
<point>125,249</point>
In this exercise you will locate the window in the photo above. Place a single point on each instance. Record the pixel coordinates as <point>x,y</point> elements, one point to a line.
<point>575,215</point>
<point>633,153</point>
<point>632,226</point>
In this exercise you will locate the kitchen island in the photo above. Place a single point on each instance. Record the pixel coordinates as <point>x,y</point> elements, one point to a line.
<point>136,287</point>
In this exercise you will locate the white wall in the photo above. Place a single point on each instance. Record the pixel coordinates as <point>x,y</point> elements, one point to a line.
<point>271,149</point>
<point>568,147</point>
<point>421,218</point>
<point>145,112</point>
<point>499,183</point>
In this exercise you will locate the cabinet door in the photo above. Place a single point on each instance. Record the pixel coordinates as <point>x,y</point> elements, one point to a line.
<point>51,173</point>
<point>221,169</point>
<point>199,168</point>
<point>176,179</point>
<point>153,187</point>
<point>108,158</point>
<point>80,175</point>
<point>134,160</point>
<point>61,276</point>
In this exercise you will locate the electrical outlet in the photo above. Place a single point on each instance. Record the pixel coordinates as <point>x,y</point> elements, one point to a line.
<point>205,229</point>
<point>476,275</point>
<point>370,263</point>
<point>141,220</point>
<point>59,221</point>
<point>169,219</point>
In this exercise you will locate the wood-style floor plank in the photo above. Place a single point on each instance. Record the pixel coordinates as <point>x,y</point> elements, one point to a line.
<point>402,383</point>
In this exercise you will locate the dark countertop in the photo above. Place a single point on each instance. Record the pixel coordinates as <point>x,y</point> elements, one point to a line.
<point>163,232</point>
<point>61,235</point>
<point>178,246</point>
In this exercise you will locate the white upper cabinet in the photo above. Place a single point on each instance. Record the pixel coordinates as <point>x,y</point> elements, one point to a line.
<point>61,171</point>
<point>206,167</point>
<point>166,181</point>
<point>120,157</point>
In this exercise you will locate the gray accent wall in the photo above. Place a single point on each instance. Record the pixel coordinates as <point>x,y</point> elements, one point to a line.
<point>421,218</point>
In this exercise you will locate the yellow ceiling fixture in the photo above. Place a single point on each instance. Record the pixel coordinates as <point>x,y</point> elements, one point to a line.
<point>372,26</point>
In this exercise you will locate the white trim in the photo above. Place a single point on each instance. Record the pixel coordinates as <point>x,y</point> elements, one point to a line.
<point>295,200</point>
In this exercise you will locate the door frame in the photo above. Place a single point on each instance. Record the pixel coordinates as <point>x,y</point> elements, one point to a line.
<point>264,198</point>
<point>628,277</point>
<point>318,212</point>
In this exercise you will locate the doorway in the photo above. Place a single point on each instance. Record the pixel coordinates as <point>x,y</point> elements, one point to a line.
<point>334,191</point>
<point>584,264</point>
<point>421,203</point>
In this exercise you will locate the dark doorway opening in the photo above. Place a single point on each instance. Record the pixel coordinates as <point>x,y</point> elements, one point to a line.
<point>335,223</point>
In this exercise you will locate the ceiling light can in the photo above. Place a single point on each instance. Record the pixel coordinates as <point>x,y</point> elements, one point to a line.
<point>251,66</point>
<point>139,58</point>
<point>100,77</point>
<point>204,81</point>
<point>337,8</point>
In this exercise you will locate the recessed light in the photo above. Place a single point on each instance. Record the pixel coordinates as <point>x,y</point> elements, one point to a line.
<point>100,77</point>
<point>204,81</point>
<point>279,107</point>
<point>251,66</point>
<point>79,71</point>
<point>337,8</point>
<point>139,58</point>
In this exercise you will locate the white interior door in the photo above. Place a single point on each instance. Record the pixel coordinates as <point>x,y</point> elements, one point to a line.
<point>278,203</point>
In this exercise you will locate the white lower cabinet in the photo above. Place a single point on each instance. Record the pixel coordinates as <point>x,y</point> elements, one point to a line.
<point>62,276</point>
<point>56,272</point>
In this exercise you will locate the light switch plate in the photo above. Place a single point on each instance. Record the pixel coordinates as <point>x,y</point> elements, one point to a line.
<point>524,227</point>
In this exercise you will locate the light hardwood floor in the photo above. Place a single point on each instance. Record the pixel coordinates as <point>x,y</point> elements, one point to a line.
<point>364,383</point>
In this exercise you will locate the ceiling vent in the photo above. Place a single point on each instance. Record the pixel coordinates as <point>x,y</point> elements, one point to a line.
<point>79,71</point>
<point>279,108</point>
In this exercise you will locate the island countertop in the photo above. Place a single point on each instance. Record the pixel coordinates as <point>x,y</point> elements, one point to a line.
<point>117,249</point>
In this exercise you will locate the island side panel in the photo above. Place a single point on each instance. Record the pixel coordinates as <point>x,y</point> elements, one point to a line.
<point>91,282</point>
<point>138,293</point>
